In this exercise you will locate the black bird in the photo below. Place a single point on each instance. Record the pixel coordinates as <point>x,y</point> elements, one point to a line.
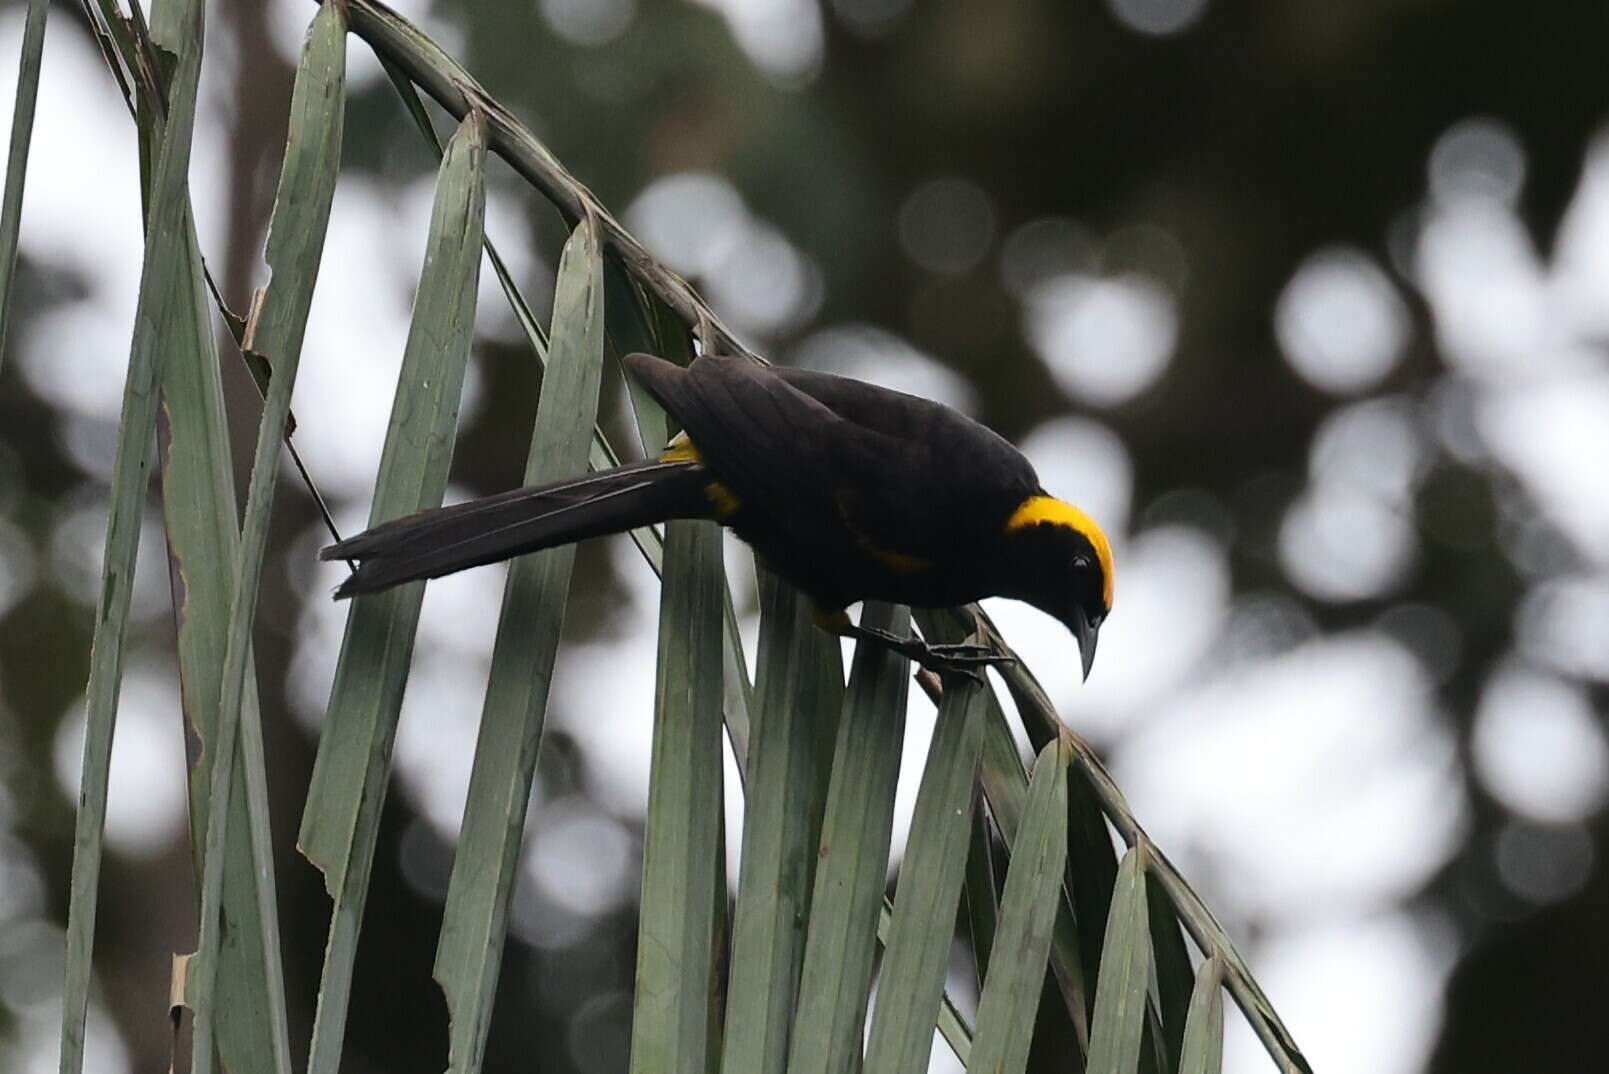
<point>849,491</point>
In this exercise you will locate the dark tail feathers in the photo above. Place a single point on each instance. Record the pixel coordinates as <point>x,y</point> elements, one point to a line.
<point>437,542</point>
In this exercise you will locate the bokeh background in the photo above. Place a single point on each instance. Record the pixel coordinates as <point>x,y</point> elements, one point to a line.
<point>1308,302</point>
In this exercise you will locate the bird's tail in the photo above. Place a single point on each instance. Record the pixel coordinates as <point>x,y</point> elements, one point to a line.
<point>447,539</point>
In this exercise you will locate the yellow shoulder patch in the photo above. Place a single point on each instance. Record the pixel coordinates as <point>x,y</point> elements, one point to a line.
<point>681,449</point>
<point>898,562</point>
<point>721,497</point>
<point>1049,511</point>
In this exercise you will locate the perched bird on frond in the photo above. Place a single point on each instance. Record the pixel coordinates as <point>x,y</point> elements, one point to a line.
<point>849,491</point>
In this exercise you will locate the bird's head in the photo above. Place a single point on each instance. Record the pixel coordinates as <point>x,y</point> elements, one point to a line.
<point>1062,563</point>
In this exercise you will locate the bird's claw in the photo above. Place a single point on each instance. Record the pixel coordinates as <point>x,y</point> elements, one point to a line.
<point>963,658</point>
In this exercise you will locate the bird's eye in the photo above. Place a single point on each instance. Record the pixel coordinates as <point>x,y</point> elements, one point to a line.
<point>1081,563</point>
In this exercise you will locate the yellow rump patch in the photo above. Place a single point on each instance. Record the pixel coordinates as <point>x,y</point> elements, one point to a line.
<point>723,499</point>
<point>1049,511</point>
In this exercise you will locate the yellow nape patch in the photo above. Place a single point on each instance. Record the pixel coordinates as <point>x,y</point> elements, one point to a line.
<point>680,449</point>
<point>724,499</point>
<point>1049,511</point>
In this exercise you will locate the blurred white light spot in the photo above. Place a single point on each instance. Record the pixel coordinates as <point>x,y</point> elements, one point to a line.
<point>1385,971</point>
<point>287,29</point>
<point>687,218</point>
<point>1105,340</point>
<point>1539,747</point>
<point>784,38</point>
<point>697,224</point>
<point>1340,543</point>
<point>357,330</point>
<point>603,691</point>
<point>1084,463</point>
<point>762,282</point>
<point>1581,252</point>
<point>946,225</point>
<point>1548,435</point>
<point>460,611</point>
<point>145,809</point>
<point>31,962</point>
<point>36,1043</point>
<point>1157,17</point>
<point>17,566</point>
<point>1340,321</point>
<point>436,731</point>
<point>879,357</point>
<point>508,223</point>
<point>22,887</point>
<point>1374,446</point>
<point>1479,159</point>
<point>1544,864</point>
<point>1487,291</point>
<point>78,544</point>
<point>1564,625</point>
<point>538,920</point>
<point>581,859</point>
<point>1042,249</point>
<point>1325,748</point>
<point>1350,535</point>
<point>85,377</point>
<point>589,22</point>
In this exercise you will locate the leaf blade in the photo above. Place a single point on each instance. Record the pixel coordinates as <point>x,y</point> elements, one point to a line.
<point>779,838</point>
<point>294,248</point>
<point>671,1022</point>
<point>918,951</point>
<point>1118,1030</point>
<point>1202,1051</point>
<point>1010,999</point>
<point>474,920</point>
<point>159,287</point>
<point>341,819</point>
<point>835,982</point>
<point>22,128</point>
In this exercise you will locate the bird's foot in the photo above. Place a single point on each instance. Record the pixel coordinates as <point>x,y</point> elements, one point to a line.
<point>962,658</point>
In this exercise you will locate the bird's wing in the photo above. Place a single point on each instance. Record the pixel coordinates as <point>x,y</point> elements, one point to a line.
<point>957,479</point>
<point>763,439</point>
<point>907,476</point>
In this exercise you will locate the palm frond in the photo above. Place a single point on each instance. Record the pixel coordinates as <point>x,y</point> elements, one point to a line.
<point>278,323</point>
<point>683,875</point>
<point>835,982</point>
<point>931,876</point>
<point>340,823</point>
<point>800,681</point>
<point>163,281</point>
<point>1027,910</point>
<point>475,918</point>
<point>22,129</point>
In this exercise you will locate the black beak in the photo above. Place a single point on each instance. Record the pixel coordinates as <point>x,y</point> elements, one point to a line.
<point>1087,633</point>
